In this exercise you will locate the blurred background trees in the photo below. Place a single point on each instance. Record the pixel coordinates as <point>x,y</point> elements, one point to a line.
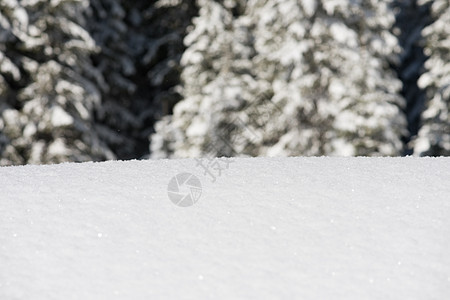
<point>434,134</point>
<point>96,79</point>
<point>85,80</point>
<point>288,77</point>
<point>49,83</point>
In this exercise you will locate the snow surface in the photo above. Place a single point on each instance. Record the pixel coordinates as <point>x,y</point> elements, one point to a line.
<point>328,228</point>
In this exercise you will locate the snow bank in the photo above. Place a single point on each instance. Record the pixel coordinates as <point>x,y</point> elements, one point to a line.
<point>336,228</point>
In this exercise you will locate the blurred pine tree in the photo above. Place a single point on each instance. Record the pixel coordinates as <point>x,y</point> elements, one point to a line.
<point>434,135</point>
<point>48,116</point>
<point>85,80</point>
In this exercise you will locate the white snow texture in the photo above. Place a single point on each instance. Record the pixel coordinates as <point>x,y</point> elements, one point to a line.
<point>304,228</point>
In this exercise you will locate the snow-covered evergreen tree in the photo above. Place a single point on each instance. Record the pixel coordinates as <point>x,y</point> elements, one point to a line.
<point>434,135</point>
<point>11,76</point>
<point>51,116</point>
<point>286,77</point>
<point>85,80</point>
<point>218,82</point>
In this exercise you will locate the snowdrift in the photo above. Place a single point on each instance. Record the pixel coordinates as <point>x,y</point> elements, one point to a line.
<point>336,228</point>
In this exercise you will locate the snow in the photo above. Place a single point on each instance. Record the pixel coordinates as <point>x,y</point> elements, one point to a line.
<point>59,117</point>
<point>344,35</point>
<point>309,6</point>
<point>309,228</point>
